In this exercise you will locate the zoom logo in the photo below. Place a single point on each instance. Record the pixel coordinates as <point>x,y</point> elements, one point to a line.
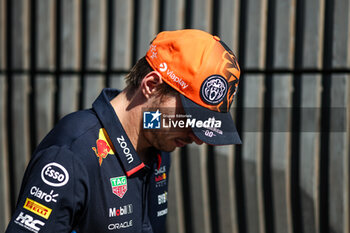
<point>55,175</point>
<point>125,148</point>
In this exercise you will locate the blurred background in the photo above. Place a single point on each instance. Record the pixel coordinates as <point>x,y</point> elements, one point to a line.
<point>290,175</point>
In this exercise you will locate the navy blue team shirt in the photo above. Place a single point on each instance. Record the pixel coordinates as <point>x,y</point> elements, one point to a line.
<point>85,176</point>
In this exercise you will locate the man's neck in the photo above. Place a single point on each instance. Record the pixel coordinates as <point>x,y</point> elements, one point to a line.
<point>129,112</point>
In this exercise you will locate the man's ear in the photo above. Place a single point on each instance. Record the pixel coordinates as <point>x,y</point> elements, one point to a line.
<point>150,83</point>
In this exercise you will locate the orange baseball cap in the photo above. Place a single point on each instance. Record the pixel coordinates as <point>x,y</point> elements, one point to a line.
<point>206,73</point>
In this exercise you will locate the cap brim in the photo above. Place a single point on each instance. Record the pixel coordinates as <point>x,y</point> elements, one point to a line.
<point>212,134</point>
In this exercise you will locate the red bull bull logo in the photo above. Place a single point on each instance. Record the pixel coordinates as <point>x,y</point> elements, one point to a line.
<point>103,147</point>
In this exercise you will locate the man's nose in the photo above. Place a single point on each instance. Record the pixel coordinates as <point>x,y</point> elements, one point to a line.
<point>194,138</point>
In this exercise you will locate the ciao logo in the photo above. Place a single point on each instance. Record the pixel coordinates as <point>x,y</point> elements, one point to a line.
<point>54,175</point>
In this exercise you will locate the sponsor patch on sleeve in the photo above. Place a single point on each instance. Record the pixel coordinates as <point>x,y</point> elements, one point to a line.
<point>37,208</point>
<point>28,222</point>
<point>55,175</point>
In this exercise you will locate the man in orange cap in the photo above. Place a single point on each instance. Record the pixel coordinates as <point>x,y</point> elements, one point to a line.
<point>105,169</point>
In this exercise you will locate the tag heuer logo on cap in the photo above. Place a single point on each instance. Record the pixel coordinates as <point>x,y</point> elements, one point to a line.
<point>119,185</point>
<point>214,89</point>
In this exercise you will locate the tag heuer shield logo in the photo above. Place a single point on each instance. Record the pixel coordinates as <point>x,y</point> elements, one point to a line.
<point>119,185</point>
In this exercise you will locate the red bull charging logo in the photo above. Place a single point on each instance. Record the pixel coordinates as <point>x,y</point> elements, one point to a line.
<point>103,147</point>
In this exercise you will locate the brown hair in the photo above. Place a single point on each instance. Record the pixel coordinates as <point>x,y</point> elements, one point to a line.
<point>138,72</point>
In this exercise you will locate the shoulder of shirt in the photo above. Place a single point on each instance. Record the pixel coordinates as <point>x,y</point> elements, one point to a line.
<point>81,126</point>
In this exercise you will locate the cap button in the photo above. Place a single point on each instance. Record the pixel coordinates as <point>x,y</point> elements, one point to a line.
<point>216,38</point>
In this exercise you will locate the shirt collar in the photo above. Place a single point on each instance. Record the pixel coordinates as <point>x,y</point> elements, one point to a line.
<point>121,142</point>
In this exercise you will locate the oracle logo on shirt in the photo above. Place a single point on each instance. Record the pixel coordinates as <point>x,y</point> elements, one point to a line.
<point>120,225</point>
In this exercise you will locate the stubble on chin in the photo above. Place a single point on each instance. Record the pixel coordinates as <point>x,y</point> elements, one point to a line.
<point>160,142</point>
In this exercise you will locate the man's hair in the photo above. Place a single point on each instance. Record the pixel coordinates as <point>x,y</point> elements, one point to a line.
<point>136,75</point>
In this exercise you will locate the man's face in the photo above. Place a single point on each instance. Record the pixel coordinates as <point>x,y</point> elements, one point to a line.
<point>168,138</point>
